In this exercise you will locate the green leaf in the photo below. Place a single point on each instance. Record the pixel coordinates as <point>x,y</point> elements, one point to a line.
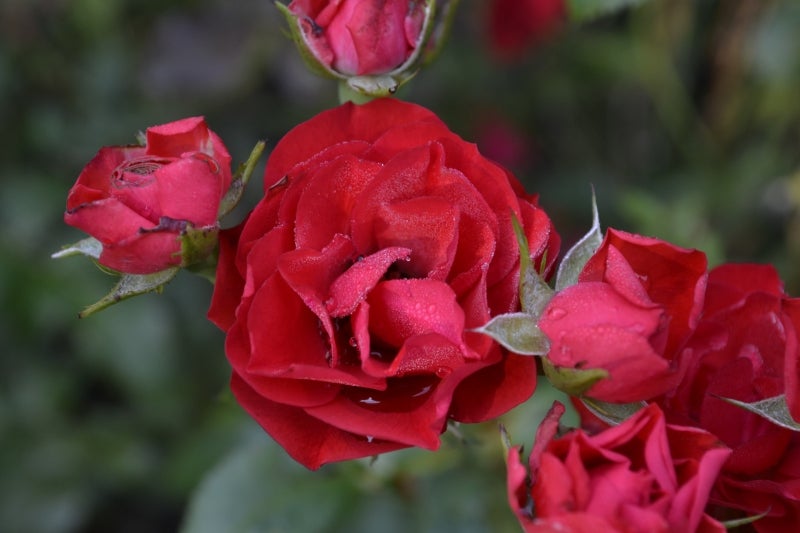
<point>573,381</point>
<point>577,256</point>
<point>612,413</point>
<point>584,10</point>
<point>773,409</point>
<point>240,180</point>
<point>130,285</point>
<point>534,292</point>
<point>517,332</point>
<point>89,247</point>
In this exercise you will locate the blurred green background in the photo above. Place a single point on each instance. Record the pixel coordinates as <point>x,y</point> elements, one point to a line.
<point>684,116</point>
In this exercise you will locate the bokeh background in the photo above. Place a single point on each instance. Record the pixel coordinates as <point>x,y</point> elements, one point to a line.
<point>684,115</point>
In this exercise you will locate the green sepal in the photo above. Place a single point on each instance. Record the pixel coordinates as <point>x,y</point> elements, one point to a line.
<point>577,256</point>
<point>572,381</point>
<point>773,409</point>
<point>298,36</point>
<point>517,332</point>
<point>197,243</point>
<point>505,440</point>
<point>439,29</point>
<point>612,414</point>
<point>239,181</point>
<point>730,524</point>
<point>585,10</point>
<point>130,285</point>
<point>90,247</point>
<point>534,292</point>
<point>370,87</point>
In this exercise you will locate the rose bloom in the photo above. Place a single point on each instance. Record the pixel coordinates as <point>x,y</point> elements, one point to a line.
<point>636,302</point>
<point>361,37</point>
<point>136,200</point>
<point>746,348</point>
<point>349,292</point>
<point>514,25</point>
<point>643,476</point>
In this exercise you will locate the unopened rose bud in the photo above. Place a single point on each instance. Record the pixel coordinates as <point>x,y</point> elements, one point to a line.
<point>373,45</point>
<point>154,207</point>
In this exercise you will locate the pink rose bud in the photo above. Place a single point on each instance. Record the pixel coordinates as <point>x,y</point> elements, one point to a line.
<point>636,302</point>
<point>374,45</point>
<point>138,201</point>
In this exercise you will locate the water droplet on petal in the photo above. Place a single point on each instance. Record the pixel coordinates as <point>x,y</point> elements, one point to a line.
<point>556,313</point>
<point>369,400</point>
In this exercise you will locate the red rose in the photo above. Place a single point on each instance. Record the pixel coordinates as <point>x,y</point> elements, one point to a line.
<point>643,476</point>
<point>136,200</point>
<point>636,302</point>
<point>360,37</point>
<point>778,491</point>
<point>516,24</point>
<point>348,293</point>
<point>745,348</point>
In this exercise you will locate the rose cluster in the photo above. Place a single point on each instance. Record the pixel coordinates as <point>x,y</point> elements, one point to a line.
<point>691,344</point>
<point>357,298</point>
<point>352,297</point>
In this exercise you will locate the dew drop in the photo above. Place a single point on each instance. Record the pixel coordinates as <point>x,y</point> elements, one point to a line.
<point>369,400</point>
<point>353,342</point>
<point>443,372</point>
<point>370,438</point>
<point>401,394</point>
<point>556,313</point>
<point>422,392</point>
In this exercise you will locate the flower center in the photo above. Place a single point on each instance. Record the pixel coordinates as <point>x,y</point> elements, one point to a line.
<point>137,172</point>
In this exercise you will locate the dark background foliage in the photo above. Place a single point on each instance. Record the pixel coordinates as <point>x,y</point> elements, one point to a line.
<point>682,114</point>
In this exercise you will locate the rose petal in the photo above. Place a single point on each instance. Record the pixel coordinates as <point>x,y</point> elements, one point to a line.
<point>189,189</point>
<point>409,411</point>
<point>348,123</point>
<point>495,388</point>
<point>145,253</point>
<point>326,205</point>
<point>426,225</point>
<point>308,440</point>
<point>401,309</point>
<point>93,218</point>
<point>352,287</point>
<point>94,181</point>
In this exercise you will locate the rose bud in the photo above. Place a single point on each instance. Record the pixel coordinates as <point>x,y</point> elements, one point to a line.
<point>138,201</point>
<point>641,476</point>
<point>636,301</point>
<point>374,45</point>
<point>350,293</point>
